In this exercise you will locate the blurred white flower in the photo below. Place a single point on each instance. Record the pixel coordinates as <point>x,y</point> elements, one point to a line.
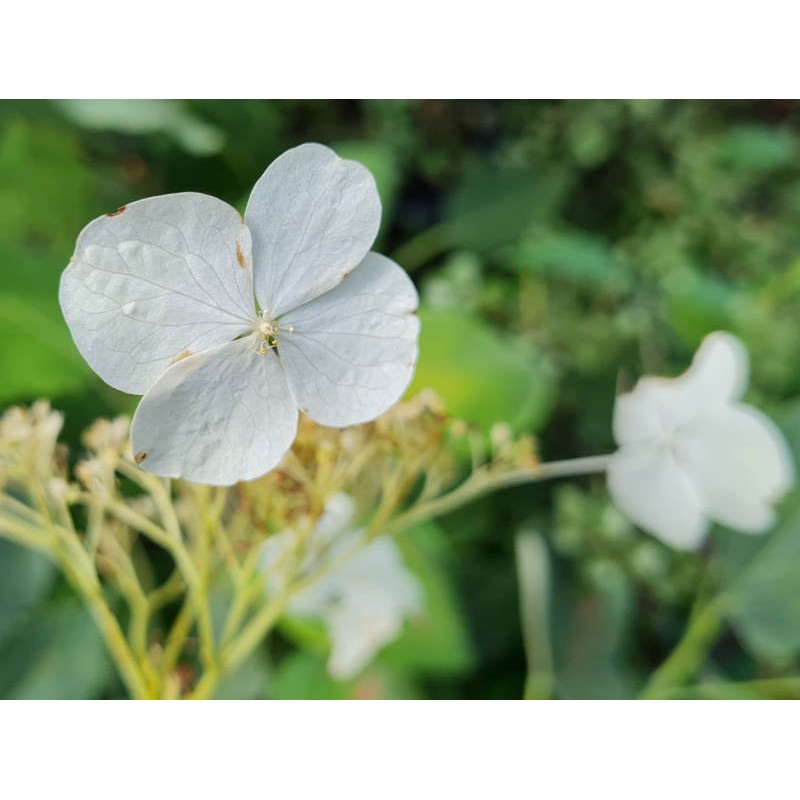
<point>229,325</point>
<point>363,602</point>
<point>690,452</point>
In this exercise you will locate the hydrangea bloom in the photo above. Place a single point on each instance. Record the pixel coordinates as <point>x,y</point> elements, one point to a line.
<point>229,325</point>
<point>690,452</point>
<point>363,602</point>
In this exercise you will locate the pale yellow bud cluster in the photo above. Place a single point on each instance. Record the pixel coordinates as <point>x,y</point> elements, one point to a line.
<point>28,442</point>
<point>103,526</point>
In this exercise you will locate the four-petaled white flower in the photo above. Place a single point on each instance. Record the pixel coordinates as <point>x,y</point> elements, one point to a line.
<point>229,325</point>
<point>690,452</point>
<point>363,601</point>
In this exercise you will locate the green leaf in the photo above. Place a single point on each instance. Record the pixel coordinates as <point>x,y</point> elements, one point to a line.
<point>25,578</point>
<point>482,377</point>
<point>591,628</point>
<point>758,148</point>
<point>38,357</point>
<point>492,207</point>
<point>763,576</point>
<point>45,188</point>
<point>437,640</point>
<point>698,303</point>
<point>58,654</point>
<point>302,676</point>
<point>139,117</point>
<point>584,260</point>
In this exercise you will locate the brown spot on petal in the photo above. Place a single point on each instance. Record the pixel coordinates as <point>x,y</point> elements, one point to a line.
<point>240,256</point>
<point>117,212</point>
<point>139,457</point>
<point>183,354</point>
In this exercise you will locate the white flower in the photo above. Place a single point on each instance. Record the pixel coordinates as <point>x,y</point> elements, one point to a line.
<point>361,602</point>
<point>229,325</point>
<point>690,452</point>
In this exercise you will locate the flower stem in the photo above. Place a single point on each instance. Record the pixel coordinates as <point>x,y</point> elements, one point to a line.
<point>787,688</point>
<point>236,647</point>
<point>684,661</point>
<point>80,572</point>
<point>253,632</point>
<point>484,481</point>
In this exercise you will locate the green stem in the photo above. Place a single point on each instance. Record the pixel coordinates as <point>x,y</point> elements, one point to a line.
<point>255,630</point>
<point>787,688</point>
<point>81,574</point>
<point>687,658</point>
<point>423,247</point>
<point>485,481</point>
<point>533,575</point>
<point>240,646</point>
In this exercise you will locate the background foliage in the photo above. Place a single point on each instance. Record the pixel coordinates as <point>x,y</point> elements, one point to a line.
<point>561,249</point>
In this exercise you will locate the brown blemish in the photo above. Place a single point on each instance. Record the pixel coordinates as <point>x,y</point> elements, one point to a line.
<point>139,457</point>
<point>183,354</point>
<point>117,212</point>
<point>240,256</point>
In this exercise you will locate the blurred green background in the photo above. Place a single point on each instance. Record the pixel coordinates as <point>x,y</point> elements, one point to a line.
<point>561,249</point>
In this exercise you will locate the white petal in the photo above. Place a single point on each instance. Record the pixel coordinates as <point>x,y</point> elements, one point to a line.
<point>337,518</point>
<point>313,217</point>
<point>648,487</point>
<point>718,373</point>
<point>363,605</point>
<point>154,281</point>
<point>363,600</point>
<point>353,350</point>
<point>218,417</point>
<point>740,464</point>
<point>356,635</point>
<point>657,406</point>
<point>637,414</point>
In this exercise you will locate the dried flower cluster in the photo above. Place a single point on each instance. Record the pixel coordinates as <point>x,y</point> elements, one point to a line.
<point>107,522</point>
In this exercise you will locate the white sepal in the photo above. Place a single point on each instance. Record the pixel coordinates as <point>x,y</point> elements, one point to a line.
<point>350,353</point>
<point>221,416</point>
<point>154,281</point>
<point>690,453</point>
<point>314,216</point>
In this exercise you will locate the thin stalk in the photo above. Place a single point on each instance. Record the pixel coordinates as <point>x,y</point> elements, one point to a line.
<point>485,481</point>
<point>259,625</point>
<point>691,651</point>
<point>178,633</point>
<point>81,574</point>
<point>787,688</point>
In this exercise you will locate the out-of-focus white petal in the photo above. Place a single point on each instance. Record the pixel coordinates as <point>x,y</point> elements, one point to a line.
<point>338,516</point>
<point>357,633</point>
<point>367,600</point>
<point>657,406</point>
<point>363,601</point>
<point>718,373</point>
<point>637,414</point>
<point>649,488</point>
<point>155,281</point>
<point>739,463</point>
<point>691,453</point>
<point>221,416</point>
<point>313,217</point>
<point>353,350</point>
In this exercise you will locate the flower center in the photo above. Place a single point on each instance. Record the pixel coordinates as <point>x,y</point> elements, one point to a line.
<point>267,331</point>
